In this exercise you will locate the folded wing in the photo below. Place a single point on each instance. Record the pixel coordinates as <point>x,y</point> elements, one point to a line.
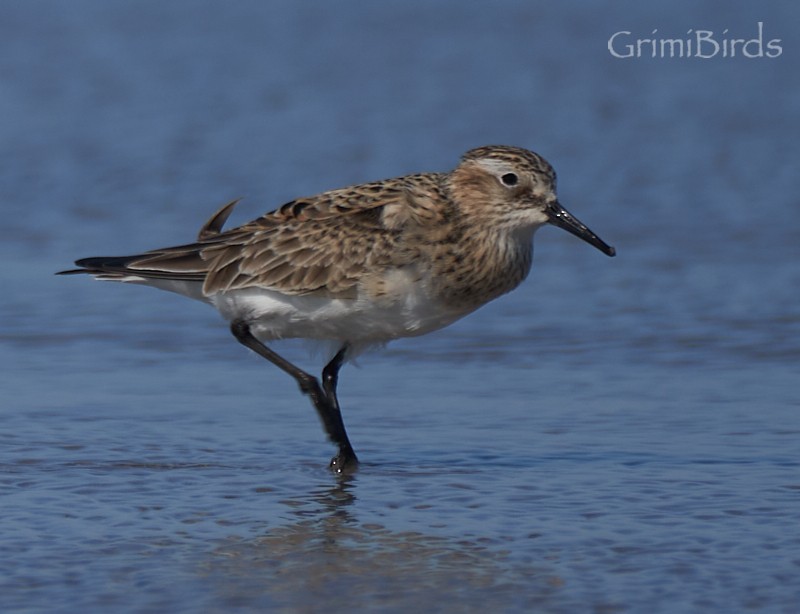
<point>323,244</point>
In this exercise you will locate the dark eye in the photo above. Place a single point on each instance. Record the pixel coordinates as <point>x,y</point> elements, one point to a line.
<point>509,179</point>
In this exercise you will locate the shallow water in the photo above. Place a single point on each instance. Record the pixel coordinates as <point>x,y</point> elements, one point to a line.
<point>615,436</point>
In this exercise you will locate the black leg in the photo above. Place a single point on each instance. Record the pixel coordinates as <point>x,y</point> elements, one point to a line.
<point>330,375</point>
<point>323,398</point>
<point>330,378</point>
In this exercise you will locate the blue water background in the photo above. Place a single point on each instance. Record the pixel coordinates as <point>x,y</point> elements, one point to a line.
<point>615,436</point>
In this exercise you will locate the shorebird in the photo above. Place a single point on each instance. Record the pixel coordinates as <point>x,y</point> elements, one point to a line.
<point>363,265</point>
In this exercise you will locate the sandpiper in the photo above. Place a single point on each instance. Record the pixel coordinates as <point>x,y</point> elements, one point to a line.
<point>363,265</point>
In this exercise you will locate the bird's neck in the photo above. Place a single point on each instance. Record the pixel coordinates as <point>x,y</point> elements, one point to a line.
<point>482,265</point>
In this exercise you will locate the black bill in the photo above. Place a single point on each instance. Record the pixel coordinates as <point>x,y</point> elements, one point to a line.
<point>564,219</point>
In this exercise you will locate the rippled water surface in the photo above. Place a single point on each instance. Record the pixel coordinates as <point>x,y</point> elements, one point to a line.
<point>614,436</point>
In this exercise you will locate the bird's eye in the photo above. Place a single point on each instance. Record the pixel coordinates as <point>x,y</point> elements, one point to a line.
<point>509,179</point>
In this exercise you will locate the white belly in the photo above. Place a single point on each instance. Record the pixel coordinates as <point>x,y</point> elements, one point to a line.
<point>407,309</point>
<point>359,321</point>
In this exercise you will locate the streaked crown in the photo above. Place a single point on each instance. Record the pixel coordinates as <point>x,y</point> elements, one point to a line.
<point>509,187</point>
<point>522,159</point>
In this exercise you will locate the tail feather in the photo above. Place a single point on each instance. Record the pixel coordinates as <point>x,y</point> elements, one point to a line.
<point>109,266</point>
<point>181,263</point>
<point>181,266</point>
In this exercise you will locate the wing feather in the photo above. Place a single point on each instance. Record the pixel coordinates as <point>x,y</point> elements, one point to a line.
<point>323,244</point>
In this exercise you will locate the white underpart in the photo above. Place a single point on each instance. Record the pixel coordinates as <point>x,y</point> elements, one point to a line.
<point>192,289</point>
<point>362,322</point>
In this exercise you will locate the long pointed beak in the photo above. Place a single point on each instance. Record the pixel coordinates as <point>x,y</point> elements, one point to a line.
<point>564,219</point>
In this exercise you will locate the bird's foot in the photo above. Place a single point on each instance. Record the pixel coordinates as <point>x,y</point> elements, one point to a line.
<point>344,462</point>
